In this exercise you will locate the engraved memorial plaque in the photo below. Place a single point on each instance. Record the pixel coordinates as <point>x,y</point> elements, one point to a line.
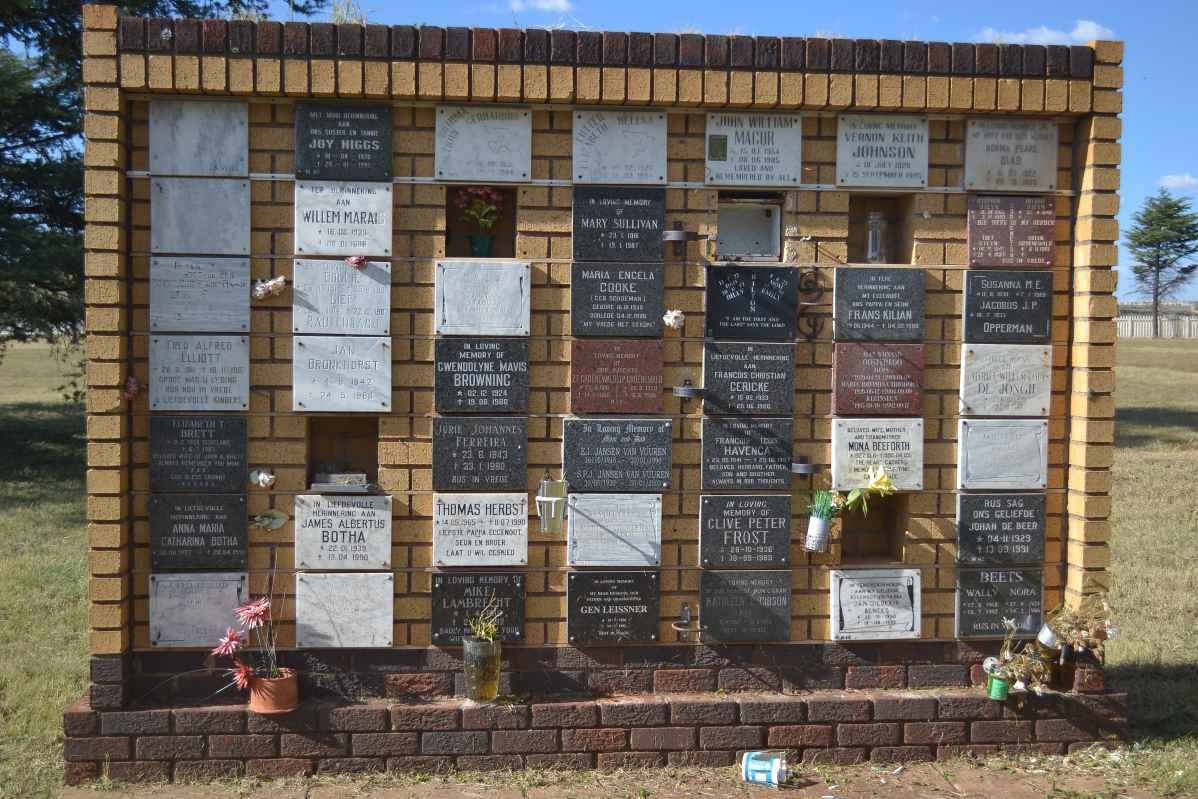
<point>616,376</point>
<point>1000,528</point>
<point>885,150</point>
<point>612,607</point>
<point>480,529</point>
<point>199,138</point>
<point>198,531</point>
<point>876,379</point>
<point>199,373</point>
<point>1012,231</point>
<point>198,454</point>
<point>481,375</point>
<point>194,610</point>
<point>1002,453</point>
<point>987,596</point>
<point>1009,154</point>
<point>1006,379</point>
<point>614,530</point>
<point>748,378</point>
<point>752,302</point>
<point>618,223</point>
<point>617,454</point>
<point>479,453</point>
<point>747,454</point>
<point>484,144</point>
<point>876,604</point>
<point>332,297</point>
<point>879,304</point>
<point>337,533</point>
<point>859,444</point>
<point>344,610</point>
<point>744,530</point>
<point>482,298</point>
<point>1010,306</point>
<point>754,149</point>
<point>616,299</point>
<point>342,142</point>
<point>342,218</point>
<point>459,596</point>
<point>745,605</point>
<point>341,373</point>
<point>199,295</point>
<point>209,216</point>
<point>621,147</point>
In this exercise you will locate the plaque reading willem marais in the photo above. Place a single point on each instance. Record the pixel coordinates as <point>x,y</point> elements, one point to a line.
<point>342,142</point>
<point>618,223</point>
<point>987,596</point>
<point>754,149</point>
<point>614,530</point>
<point>485,144</point>
<point>480,453</point>
<point>481,375</point>
<point>1011,231</point>
<point>619,147</point>
<point>482,298</point>
<point>744,530</point>
<point>199,295</point>
<point>341,373</point>
<point>617,454</point>
<point>749,378</point>
<point>616,299</point>
<point>342,532</point>
<point>197,454</point>
<point>881,150</point>
<point>860,444</point>
<point>194,609</point>
<point>458,596</point>
<point>875,604</point>
<point>342,218</point>
<point>1005,154</point>
<point>745,605</point>
<point>752,302</point>
<point>612,607</point>
<point>197,531</point>
<point>333,297</point>
<point>1000,528</point>
<point>480,529</point>
<point>199,373</point>
<point>747,454</point>
<point>1002,453</point>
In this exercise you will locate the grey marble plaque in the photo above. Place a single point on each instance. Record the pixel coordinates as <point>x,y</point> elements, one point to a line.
<point>858,444</point>
<point>198,454</point>
<point>197,531</point>
<point>987,596</point>
<point>344,610</point>
<point>483,144</point>
<point>209,216</point>
<point>1000,528</point>
<point>341,373</point>
<point>612,607</point>
<point>617,454</point>
<point>480,453</point>
<point>458,596</point>
<point>481,375</point>
<point>199,138</point>
<point>342,532</point>
<point>614,530</point>
<point>754,149</point>
<point>616,299</point>
<point>1012,306</point>
<point>483,298</point>
<point>1009,154</point>
<point>194,610</point>
<point>744,530</point>
<point>332,297</point>
<point>342,218</point>
<point>747,454</point>
<point>199,295</point>
<point>199,373</point>
<point>745,605</point>
<point>1002,453</point>
<point>480,529</point>
<point>1006,379</point>
<point>876,604</point>
<point>879,304</point>
<point>620,147</point>
<point>886,150</point>
<point>749,378</point>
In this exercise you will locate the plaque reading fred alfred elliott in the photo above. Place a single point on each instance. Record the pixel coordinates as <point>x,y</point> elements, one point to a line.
<point>198,531</point>
<point>332,297</point>
<point>459,596</point>
<point>342,142</point>
<point>614,530</point>
<point>987,596</point>
<point>194,609</point>
<point>748,378</point>
<point>197,454</point>
<point>1011,231</point>
<point>480,529</point>
<point>616,299</point>
<point>1000,528</point>
<point>480,143</point>
<point>1006,379</point>
<point>342,218</point>
<point>199,295</point>
<point>861,444</point>
<point>479,453</point>
<point>344,610</point>
<point>876,604</point>
<point>1002,453</point>
<point>747,454</point>
<point>341,373</point>
<point>618,223</point>
<point>617,454</point>
<point>752,302</point>
<point>620,147</point>
<point>342,533</point>
<point>876,379</point>
<point>745,605</point>
<point>879,304</point>
<point>616,376</point>
<point>482,298</point>
<point>1009,306</point>
<point>754,149</point>
<point>881,150</point>
<point>1006,154</point>
<point>612,607</point>
<point>744,530</point>
<point>199,373</point>
<point>481,375</point>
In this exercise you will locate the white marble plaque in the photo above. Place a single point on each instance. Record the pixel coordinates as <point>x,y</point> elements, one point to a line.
<point>199,295</point>
<point>335,217</point>
<point>1006,379</point>
<point>334,297</point>
<point>485,144</point>
<point>881,150</point>
<point>342,532</point>
<point>1002,453</point>
<point>201,138</point>
<point>1004,154</point>
<point>343,610</point>
<point>754,149</point>
<point>483,298</point>
<point>209,216</point>
<point>194,609</point>
<point>614,529</point>
<point>620,147</point>
<point>341,373</point>
<point>199,373</point>
<point>876,604</point>
<point>858,444</point>
<point>480,529</point>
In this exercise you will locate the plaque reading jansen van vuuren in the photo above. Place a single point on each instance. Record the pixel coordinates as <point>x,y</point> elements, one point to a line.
<point>748,378</point>
<point>614,530</point>
<point>612,607</point>
<point>1011,231</point>
<point>199,373</point>
<point>199,295</point>
<point>754,303</point>
<point>480,453</point>
<point>619,147</point>
<point>480,529</point>
<point>481,375</point>
<point>879,304</point>
<point>617,454</point>
<point>881,150</point>
<point>987,596</point>
<point>616,299</point>
<point>618,223</point>
<point>1009,306</point>
<point>342,142</point>
<point>745,605</point>
<point>342,218</point>
<point>744,530</point>
<point>342,532</point>
<point>747,454</point>
<point>341,373</point>
<point>332,297</point>
<point>483,144</point>
<point>1000,528</point>
<point>754,149</point>
<point>459,596</point>
<point>197,531</point>
<point>197,454</point>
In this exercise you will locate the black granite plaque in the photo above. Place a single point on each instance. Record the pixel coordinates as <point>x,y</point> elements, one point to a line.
<point>759,303</point>
<point>200,454</point>
<point>987,596</point>
<point>197,531</point>
<point>616,299</point>
<point>617,454</point>
<point>457,596</point>
<point>612,607</point>
<point>745,605</point>
<point>751,378</point>
<point>1000,528</point>
<point>342,142</point>
<point>477,453</point>
<point>613,223</point>
<point>744,530</point>
<point>481,374</point>
<point>747,454</point>
<point>1008,306</point>
<point>879,304</point>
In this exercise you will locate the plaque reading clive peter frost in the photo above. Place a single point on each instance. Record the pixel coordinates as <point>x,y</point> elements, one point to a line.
<point>199,295</point>
<point>480,529</point>
<point>1011,231</point>
<point>342,142</point>
<point>744,530</point>
<point>876,604</point>
<point>341,373</point>
<point>481,375</point>
<point>342,533</point>
<point>197,454</point>
<point>1005,154</point>
<point>342,218</point>
<point>616,299</point>
<point>478,143</point>
<point>754,149</point>
<point>616,376</point>
<point>333,297</point>
<point>881,150</point>
<point>877,379</point>
<point>861,444</point>
<point>199,373</point>
<point>619,147</point>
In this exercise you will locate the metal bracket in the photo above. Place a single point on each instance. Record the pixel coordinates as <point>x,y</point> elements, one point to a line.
<point>803,466</point>
<point>678,237</point>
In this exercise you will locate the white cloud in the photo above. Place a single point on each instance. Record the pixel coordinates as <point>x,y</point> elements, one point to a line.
<point>1183,182</point>
<point>561,6</point>
<point>1084,30</point>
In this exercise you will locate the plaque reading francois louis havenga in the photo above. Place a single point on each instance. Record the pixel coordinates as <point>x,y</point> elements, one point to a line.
<point>199,373</point>
<point>876,379</point>
<point>482,298</point>
<point>333,297</point>
<point>481,375</point>
<point>612,607</point>
<point>617,454</point>
<point>881,150</point>
<point>752,302</point>
<point>616,299</point>
<point>339,533</point>
<point>876,604</point>
<point>344,610</point>
<point>750,378</point>
<point>197,454</point>
<point>480,529</point>
<point>194,609</point>
<point>1011,231</point>
<point>199,295</point>
<point>987,596</point>
<point>754,149</point>
<point>341,373</point>
<point>1000,528</point>
<point>480,453</point>
<point>1002,453</point>
<point>1006,379</point>
<point>745,605</point>
<point>620,147</point>
<point>616,375</point>
<point>197,531</point>
<point>614,530</point>
<point>342,142</point>
<point>747,454</point>
<point>458,596</point>
<point>483,143</point>
<point>1008,306</point>
<point>744,530</point>
<point>342,218</point>
<point>861,444</point>
<point>618,223</point>
<point>879,304</point>
<point>1006,154</point>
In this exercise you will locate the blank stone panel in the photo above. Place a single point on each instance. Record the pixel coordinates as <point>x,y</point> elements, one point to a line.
<point>209,216</point>
<point>194,609</point>
<point>338,611</point>
<point>483,298</point>
<point>1002,453</point>
<point>205,139</point>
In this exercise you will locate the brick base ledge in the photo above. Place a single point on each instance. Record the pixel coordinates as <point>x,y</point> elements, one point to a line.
<point>197,743</point>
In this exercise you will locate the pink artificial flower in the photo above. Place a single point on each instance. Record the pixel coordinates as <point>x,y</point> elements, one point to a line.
<point>132,388</point>
<point>356,261</point>
<point>229,644</point>
<point>254,612</point>
<point>241,674</point>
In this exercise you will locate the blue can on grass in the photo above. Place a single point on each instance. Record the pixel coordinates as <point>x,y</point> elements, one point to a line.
<point>764,768</point>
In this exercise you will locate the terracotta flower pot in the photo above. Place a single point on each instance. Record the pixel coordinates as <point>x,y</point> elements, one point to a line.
<point>274,695</point>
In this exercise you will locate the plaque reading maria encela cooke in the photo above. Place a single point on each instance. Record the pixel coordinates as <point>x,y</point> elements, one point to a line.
<point>876,604</point>
<point>197,531</point>
<point>1000,528</point>
<point>459,596</point>
<point>332,297</point>
<point>745,605</point>
<point>199,295</point>
<point>614,530</point>
<point>341,373</point>
<point>1009,306</point>
<point>482,298</point>
<point>199,373</point>
<point>612,607</point>
<point>343,610</point>
<point>481,375</point>
<point>859,445</point>
<point>748,378</point>
<point>620,147</point>
<point>342,218</point>
<point>342,532</point>
<point>881,150</point>
<point>199,215</point>
<point>617,454</point>
<point>616,299</point>
<point>879,304</point>
<point>744,530</point>
<point>197,454</point>
<point>480,529</point>
<point>754,149</point>
<point>194,609</point>
<point>195,137</point>
<point>618,223</point>
<point>752,302</point>
<point>480,453</point>
<point>1008,154</point>
<point>747,454</point>
<point>987,596</point>
<point>1002,453</point>
<point>1006,379</point>
<point>342,142</point>
<point>1011,231</point>
<point>490,144</point>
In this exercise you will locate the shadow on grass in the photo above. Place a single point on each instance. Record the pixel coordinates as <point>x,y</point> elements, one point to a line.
<point>1162,701</point>
<point>1146,427</point>
<point>42,446</point>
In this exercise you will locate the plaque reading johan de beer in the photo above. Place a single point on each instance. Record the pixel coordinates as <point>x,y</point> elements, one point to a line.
<point>1000,528</point>
<point>861,444</point>
<point>612,607</point>
<point>752,302</point>
<point>1002,453</point>
<point>342,533</point>
<point>1013,307</point>
<point>620,147</point>
<point>459,596</point>
<point>875,379</point>
<point>333,297</point>
<point>987,596</point>
<point>480,529</point>
<point>744,530</point>
<point>341,373</point>
<point>876,604</point>
<point>616,299</point>
<point>199,295</point>
<point>617,454</point>
<point>480,453</point>
<point>199,373</point>
<point>481,375</point>
<point>197,531</point>
<point>747,454</point>
<point>1011,231</point>
<point>618,223</point>
<point>881,150</point>
<point>342,142</point>
<point>342,218</point>
<point>616,376</point>
<point>344,610</point>
<point>614,530</point>
<point>750,378</point>
<point>1006,379</point>
<point>482,298</point>
<point>754,149</point>
<point>1005,154</point>
<point>194,609</point>
<point>197,454</point>
<point>745,605</point>
<point>879,304</point>
<point>484,144</point>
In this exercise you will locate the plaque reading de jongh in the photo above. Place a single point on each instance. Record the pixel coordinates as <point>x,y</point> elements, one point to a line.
<point>619,147</point>
<point>1008,306</point>
<point>752,302</point>
<point>341,373</point>
<point>1004,154</point>
<point>876,604</point>
<point>748,454</point>
<point>749,378</point>
<point>342,532</point>
<point>876,379</point>
<point>459,596</point>
<point>617,454</point>
<point>612,607</point>
<point>342,142</point>
<point>616,376</point>
<point>197,531</point>
<point>616,299</point>
<point>481,375</point>
<point>1011,231</point>
<point>480,453</point>
<point>480,529</point>
<point>342,218</point>
<point>199,295</point>
<point>881,150</point>
<point>199,373</point>
<point>197,454</point>
<point>1000,528</point>
<point>1006,379</point>
<point>879,304</point>
<point>614,530</point>
<point>484,144</point>
<point>745,605</point>
<point>987,596</point>
<point>744,530</point>
<point>618,223</point>
<point>754,149</point>
<point>333,297</point>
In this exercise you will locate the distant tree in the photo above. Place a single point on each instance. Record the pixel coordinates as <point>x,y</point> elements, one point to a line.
<point>1163,236</point>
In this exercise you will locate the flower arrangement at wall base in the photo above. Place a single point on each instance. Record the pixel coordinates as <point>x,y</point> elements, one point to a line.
<point>481,652</point>
<point>826,505</point>
<point>1074,634</point>
<point>481,207</point>
<point>272,689</point>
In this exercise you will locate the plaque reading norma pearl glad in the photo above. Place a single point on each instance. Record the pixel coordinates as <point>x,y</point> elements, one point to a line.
<point>198,531</point>
<point>1011,307</point>
<point>614,530</point>
<point>199,373</point>
<point>987,596</point>
<point>459,596</point>
<point>752,302</point>
<point>1002,453</point>
<point>875,379</point>
<point>480,529</point>
<point>480,453</point>
<point>618,223</point>
<point>1011,231</point>
<point>612,607</point>
<point>861,444</point>
<point>879,304</point>
<point>344,610</point>
<point>620,147</point>
<point>754,149</point>
<point>199,295</point>
<point>342,142</point>
<point>481,375</point>
<point>488,144</point>
<point>342,218</point>
<point>1000,528</point>
<point>744,530</point>
<point>876,604</point>
<point>341,373</point>
<point>197,454</point>
<point>482,298</point>
<point>745,605</point>
<point>332,297</point>
<point>340,533</point>
<point>616,299</point>
<point>747,454</point>
<point>618,454</point>
<point>1006,379</point>
<point>881,150</point>
<point>749,378</point>
<point>616,376</point>
<point>1005,154</point>
<point>194,609</point>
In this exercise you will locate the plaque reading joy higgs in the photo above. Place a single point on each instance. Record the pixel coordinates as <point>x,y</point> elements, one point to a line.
<point>459,596</point>
<point>750,378</point>
<point>618,223</point>
<point>480,453</point>
<point>199,295</point>
<point>879,304</point>
<point>859,445</point>
<point>481,375</point>
<point>483,144</point>
<point>480,529</point>
<point>1000,528</point>
<point>876,604</point>
<point>875,379</point>
<point>342,142</point>
<point>744,530</point>
<point>619,147</point>
<point>752,302</point>
<point>747,454</point>
<point>616,375</point>
<point>199,373</point>
<point>745,605</point>
<point>754,149</point>
<point>1005,154</point>
<point>342,533</point>
<point>1011,231</point>
<point>612,607</point>
<point>197,531</point>
<point>341,373</point>
<point>1013,307</point>
<point>617,454</point>
<point>336,298</point>
<point>987,596</point>
<point>342,218</point>
<point>881,150</point>
<point>197,454</point>
<point>616,299</point>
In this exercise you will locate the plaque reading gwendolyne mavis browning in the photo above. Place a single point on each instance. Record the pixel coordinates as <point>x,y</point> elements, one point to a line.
<point>747,454</point>
<point>616,375</point>
<point>752,302</point>
<point>1009,231</point>
<point>748,378</point>
<point>987,596</point>
<point>197,454</point>
<point>197,531</point>
<point>480,453</point>
<point>879,304</point>
<point>1000,528</point>
<point>611,299</point>
<point>618,223</point>
<point>482,375</point>
<point>877,379</point>
<point>342,142</point>
<point>617,454</point>
<point>744,530</point>
<point>612,607</point>
<point>745,605</point>
<point>1008,306</point>
<point>459,596</point>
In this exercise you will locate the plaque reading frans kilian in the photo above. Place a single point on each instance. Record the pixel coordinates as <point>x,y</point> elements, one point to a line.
<point>484,144</point>
<point>199,373</point>
<point>612,607</point>
<point>1002,453</point>
<point>745,605</point>
<point>744,530</point>
<point>620,147</point>
<point>987,596</point>
<point>1000,528</point>
<point>1007,154</point>
<point>342,142</point>
<point>754,149</point>
<point>199,295</point>
<point>881,150</point>
<point>480,529</point>
<point>197,454</point>
<point>747,454</point>
<point>876,604</point>
<point>459,596</point>
<point>861,444</point>
<point>618,223</point>
<point>1009,306</point>
<point>748,378</point>
<point>1011,231</point>
<point>338,533</point>
<point>482,298</point>
<point>618,454</point>
<point>752,302</point>
<point>879,304</point>
<point>1006,379</point>
<point>616,299</point>
<point>481,375</point>
<point>614,530</point>
<point>876,379</point>
<point>341,373</point>
<point>344,610</point>
<point>342,218</point>
<point>616,375</point>
<point>332,297</point>
<point>194,609</point>
<point>478,453</point>
<point>197,531</point>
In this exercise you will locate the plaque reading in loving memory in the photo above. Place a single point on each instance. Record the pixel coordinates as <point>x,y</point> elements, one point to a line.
<point>334,298</point>
<point>198,531</point>
<point>197,454</point>
<point>342,218</point>
<point>199,373</point>
<point>1011,231</point>
<point>342,610</point>
<point>754,150</point>
<point>879,304</point>
<point>876,379</point>
<point>479,453</point>
<point>459,596</point>
<point>625,147</point>
<point>614,530</point>
<point>342,142</point>
<point>616,299</point>
<point>616,376</point>
<point>482,298</point>
<point>1000,528</point>
<point>199,215</point>
<point>1009,306</point>
<point>199,295</point>
<point>747,454</point>
<point>745,605</point>
<point>341,373</point>
<point>1006,154</point>
<point>881,150</point>
<point>487,144</point>
<point>987,596</point>
<point>752,302</point>
<point>1006,379</point>
<point>194,609</point>
<point>340,533</point>
<point>618,223</point>
<point>612,607</point>
<point>1002,453</point>
<point>861,444</point>
<point>876,604</point>
<point>481,375</point>
<point>744,530</point>
<point>199,138</point>
<point>749,378</point>
<point>618,454</point>
<point>480,529</point>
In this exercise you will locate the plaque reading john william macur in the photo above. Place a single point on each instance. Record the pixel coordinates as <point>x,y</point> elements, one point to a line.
<point>197,454</point>
<point>612,607</point>
<point>617,454</point>
<point>197,531</point>
<point>620,147</point>
<point>876,604</point>
<point>341,373</point>
<point>482,298</point>
<point>342,218</point>
<point>618,223</point>
<point>1002,453</point>
<point>881,150</point>
<point>199,295</point>
<point>342,532</point>
<point>194,609</point>
<point>754,149</point>
<point>483,143</point>
<point>332,297</point>
<point>199,373</point>
<point>342,142</point>
<point>480,529</point>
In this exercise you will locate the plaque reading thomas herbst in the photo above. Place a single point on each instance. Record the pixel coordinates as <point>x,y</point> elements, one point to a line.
<point>194,609</point>
<point>333,297</point>
<point>881,150</point>
<point>612,607</point>
<point>482,298</point>
<point>1002,453</point>
<point>616,299</point>
<point>745,605</point>
<point>342,142</point>
<point>618,223</point>
<point>749,378</point>
<point>1006,379</point>
<point>747,454</point>
<point>754,149</point>
<point>861,444</point>
<point>197,454</point>
<point>744,530</point>
<point>479,453</point>
<point>616,375</point>
<point>620,147</point>
<point>197,531</point>
<point>879,304</point>
<point>199,295</point>
<point>1011,231</point>
<point>1005,154</point>
<point>1009,306</point>
<point>987,596</point>
<point>343,610</point>
<point>342,218</point>
<point>340,533</point>
<point>875,604</point>
<point>459,596</point>
<point>1000,528</point>
<point>481,375</point>
<point>614,530</point>
<point>480,529</point>
<point>483,144</point>
<point>341,373</point>
<point>752,302</point>
<point>617,454</point>
<point>199,373</point>
<point>876,379</point>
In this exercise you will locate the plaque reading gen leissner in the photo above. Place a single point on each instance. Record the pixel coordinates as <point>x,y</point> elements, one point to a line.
<point>612,607</point>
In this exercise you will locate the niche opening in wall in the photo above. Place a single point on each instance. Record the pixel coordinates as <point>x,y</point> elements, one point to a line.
<point>462,238</point>
<point>750,226</point>
<point>876,537</point>
<point>343,451</point>
<point>895,239</point>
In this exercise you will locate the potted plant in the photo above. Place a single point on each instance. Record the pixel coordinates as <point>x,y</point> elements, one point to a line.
<point>826,505</point>
<point>273,689</point>
<point>481,207</point>
<point>481,652</point>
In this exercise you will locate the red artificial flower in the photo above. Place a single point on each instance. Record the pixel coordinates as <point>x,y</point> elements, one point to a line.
<point>132,388</point>
<point>241,674</point>
<point>254,612</point>
<point>229,644</point>
<point>356,261</point>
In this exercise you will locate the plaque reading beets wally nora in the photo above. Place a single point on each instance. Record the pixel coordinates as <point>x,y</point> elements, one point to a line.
<point>1006,379</point>
<point>876,604</point>
<point>618,223</point>
<point>199,373</point>
<point>874,379</point>
<point>459,596</point>
<point>879,304</point>
<point>987,596</point>
<point>881,150</point>
<point>341,373</point>
<point>336,298</point>
<point>1000,528</point>
<point>744,530</point>
<point>859,445</point>
<point>745,605</point>
<point>1011,231</point>
<point>1009,306</point>
<point>752,302</point>
<point>481,375</point>
<point>197,454</point>
<point>480,453</point>
<point>480,529</point>
<point>489,144</point>
<point>342,218</point>
<point>198,531</point>
<point>616,299</point>
<point>194,609</point>
<point>342,532</point>
<point>342,142</point>
<point>747,454</point>
<point>617,454</point>
<point>614,530</point>
<point>1002,453</point>
<point>612,607</point>
<point>619,147</point>
<point>749,378</point>
<point>616,376</point>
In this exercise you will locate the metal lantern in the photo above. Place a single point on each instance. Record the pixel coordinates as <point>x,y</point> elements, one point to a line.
<point>551,504</point>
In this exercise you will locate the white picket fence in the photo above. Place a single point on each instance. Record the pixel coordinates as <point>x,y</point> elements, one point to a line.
<point>1140,326</point>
